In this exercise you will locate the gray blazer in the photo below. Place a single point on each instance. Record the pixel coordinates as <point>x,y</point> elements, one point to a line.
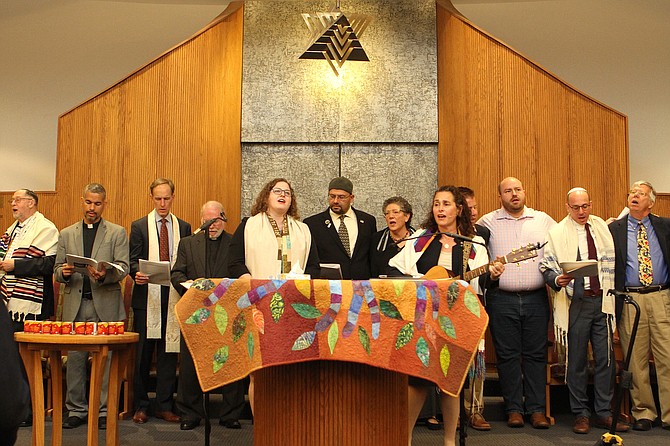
<point>111,245</point>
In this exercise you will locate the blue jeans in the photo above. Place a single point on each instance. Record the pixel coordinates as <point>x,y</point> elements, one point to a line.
<point>518,324</point>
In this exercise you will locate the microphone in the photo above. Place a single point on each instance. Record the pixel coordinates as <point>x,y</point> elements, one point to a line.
<point>205,226</point>
<point>448,234</point>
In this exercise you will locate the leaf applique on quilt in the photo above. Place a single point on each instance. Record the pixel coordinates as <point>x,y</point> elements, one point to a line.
<point>452,294</point>
<point>404,335</point>
<point>202,284</point>
<point>333,335</point>
<point>389,310</point>
<point>250,345</point>
<point>472,302</point>
<point>221,318</point>
<point>431,335</point>
<point>199,316</point>
<point>422,351</point>
<point>220,358</point>
<point>447,326</point>
<point>364,338</point>
<point>306,310</point>
<point>445,359</point>
<point>304,286</point>
<point>276,306</point>
<point>259,319</point>
<point>398,286</point>
<point>304,341</point>
<point>239,326</point>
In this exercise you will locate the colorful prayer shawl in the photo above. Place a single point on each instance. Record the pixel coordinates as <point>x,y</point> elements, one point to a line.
<point>154,322</point>
<point>36,237</point>
<point>425,328</point>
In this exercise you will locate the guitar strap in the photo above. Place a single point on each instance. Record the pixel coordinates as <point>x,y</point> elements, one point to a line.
<point>467,247</point>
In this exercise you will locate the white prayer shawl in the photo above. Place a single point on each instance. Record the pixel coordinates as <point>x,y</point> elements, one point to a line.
<point>260,247</point>
<point>563,245</point>
<point>154,324</point>
<point>38,237</point>
<point>405,261</point>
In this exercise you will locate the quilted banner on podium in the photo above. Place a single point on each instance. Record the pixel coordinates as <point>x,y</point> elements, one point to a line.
<point>425,328</point>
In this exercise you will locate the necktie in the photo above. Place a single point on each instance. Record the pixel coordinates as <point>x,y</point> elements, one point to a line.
<point>163,242</point>
<point>594,282</point>
<point>344,235</point>
<point>643,256</point>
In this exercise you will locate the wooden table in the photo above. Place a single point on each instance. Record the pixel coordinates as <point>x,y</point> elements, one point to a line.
<point>30,347</point>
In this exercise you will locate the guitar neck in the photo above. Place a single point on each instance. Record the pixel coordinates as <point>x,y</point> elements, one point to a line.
<point>474,273</point>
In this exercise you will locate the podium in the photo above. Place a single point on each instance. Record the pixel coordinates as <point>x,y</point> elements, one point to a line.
<point>330,358</point>
<point>329,403</point>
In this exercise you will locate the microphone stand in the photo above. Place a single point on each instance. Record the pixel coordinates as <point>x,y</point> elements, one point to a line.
<point>458,237</point>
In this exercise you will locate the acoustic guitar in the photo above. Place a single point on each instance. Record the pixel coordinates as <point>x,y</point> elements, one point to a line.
<point>514,256</point>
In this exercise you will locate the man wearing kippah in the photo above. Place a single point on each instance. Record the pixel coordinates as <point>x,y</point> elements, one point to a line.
<point>342,233</point>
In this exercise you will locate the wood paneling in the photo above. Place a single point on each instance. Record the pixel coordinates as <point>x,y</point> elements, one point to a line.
<point>329,403</point>
<point>177,117</point>
<point>502,115</point>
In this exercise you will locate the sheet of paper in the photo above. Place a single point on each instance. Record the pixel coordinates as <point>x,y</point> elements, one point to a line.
<point>158,272</point>
<point>582,268</point>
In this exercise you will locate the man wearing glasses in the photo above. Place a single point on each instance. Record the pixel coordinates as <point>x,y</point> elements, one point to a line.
<point>642,247</point>
<point>342,234</point>
<point>27,256</point>
<point>583,310</point>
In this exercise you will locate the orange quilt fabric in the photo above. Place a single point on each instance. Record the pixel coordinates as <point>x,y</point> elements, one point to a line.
<point>425,328</point>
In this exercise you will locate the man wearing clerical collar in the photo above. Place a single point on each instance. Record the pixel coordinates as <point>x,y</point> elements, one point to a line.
<point>91,297</point>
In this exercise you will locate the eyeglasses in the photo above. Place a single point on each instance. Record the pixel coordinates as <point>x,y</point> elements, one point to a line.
<point>17,199</point>
<point>338,197</point>
<point>638,192</point>
<point>583,207</point>
<point>394,212</point>
<point>278,191</point>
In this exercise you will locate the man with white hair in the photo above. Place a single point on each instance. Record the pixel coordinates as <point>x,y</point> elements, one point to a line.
<point>204,254</point>
<point>583,312</point>
<point>642,247</point>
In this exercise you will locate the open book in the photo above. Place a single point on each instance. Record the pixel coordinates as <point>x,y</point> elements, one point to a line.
<point>331,271</point>
<point>80,263</point>
<point>581,268</point>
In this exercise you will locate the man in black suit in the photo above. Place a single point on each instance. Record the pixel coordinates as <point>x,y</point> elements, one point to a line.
<point>156,237</point>
<point>342,233</point>
<point>204,254</point>
<point>642,252</point>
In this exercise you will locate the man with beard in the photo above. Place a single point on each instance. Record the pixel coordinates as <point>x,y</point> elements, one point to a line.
<point>642,251</point>
<point>342,234</point>
<point>204,254</point>
<point>518,307</point>
<point>91,297</point>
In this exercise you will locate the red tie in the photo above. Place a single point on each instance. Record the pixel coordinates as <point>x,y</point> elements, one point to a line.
<point>593,255</point>
<point>164,242</point>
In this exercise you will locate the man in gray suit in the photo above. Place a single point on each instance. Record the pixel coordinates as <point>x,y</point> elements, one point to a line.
<point>91,297</point>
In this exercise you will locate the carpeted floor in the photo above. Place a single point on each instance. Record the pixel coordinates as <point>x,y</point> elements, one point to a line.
<point>158,432</point>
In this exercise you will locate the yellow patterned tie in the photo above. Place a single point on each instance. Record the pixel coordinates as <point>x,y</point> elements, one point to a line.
<point>344,235</point>
<point>643,256</point>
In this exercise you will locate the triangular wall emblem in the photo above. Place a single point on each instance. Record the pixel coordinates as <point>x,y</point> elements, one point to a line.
<point>335,38</point>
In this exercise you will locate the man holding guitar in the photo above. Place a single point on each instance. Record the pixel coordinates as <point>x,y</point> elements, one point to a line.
<point>518,307</point>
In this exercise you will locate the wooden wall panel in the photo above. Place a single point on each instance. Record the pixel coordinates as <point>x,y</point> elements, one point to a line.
<point>502,115</point>
<point>179,117</point>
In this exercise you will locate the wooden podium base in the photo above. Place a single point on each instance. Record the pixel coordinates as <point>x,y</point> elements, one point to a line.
<point>329,403</point>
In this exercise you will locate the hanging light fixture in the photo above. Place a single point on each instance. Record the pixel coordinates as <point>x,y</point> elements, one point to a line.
<point>335,38</point>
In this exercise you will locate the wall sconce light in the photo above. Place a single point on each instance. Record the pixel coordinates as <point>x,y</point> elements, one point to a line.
<point>335,38</point>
